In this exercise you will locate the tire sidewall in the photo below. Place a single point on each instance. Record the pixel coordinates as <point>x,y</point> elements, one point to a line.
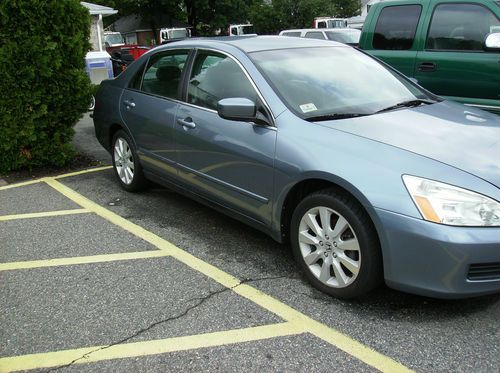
<point>369,274</point>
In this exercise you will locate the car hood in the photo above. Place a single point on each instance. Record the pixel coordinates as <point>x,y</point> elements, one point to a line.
<point>451,133</point>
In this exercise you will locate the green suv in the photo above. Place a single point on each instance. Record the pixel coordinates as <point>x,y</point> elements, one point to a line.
<point>451,47</point>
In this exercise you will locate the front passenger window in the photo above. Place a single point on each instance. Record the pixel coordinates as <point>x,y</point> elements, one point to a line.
<point>214,77</point>
<point>460,27</point>
<point>163,74</point>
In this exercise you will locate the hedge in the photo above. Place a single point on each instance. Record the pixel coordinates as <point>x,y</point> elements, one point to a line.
<point>43,85</point>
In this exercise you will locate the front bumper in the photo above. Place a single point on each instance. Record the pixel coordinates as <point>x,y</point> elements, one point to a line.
<point>434,260</point>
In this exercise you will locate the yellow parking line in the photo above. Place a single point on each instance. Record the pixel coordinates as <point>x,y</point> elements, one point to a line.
<point>44,214</point>
<point>135,349</point>
<point>330,335</point>
<point>30,182</point>
<point>82,260</point>
<point>86,171</point>
<point>24,183</point>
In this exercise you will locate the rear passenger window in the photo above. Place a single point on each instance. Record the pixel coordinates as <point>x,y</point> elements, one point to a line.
<point>215,77</point>
<point>396,27</point>
<point>294,33</point>
<point>163,74</point>
<point>315,35</point>
<point>461,27</point>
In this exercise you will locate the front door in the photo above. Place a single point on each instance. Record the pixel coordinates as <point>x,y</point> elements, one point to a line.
<point>230,162</point>
<point>455,63</point>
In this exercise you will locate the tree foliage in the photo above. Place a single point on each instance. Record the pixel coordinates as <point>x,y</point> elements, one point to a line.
<point>208,17</point>
<point>44,87</point>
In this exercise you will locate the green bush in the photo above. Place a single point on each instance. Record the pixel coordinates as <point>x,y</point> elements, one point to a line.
<point>43,85</point>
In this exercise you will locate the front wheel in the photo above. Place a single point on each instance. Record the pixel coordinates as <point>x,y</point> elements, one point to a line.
<point>126,164</point>
<point>335,244</point>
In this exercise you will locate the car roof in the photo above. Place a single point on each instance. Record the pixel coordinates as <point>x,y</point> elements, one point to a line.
<point>337,29</point>
<point>251,44</point>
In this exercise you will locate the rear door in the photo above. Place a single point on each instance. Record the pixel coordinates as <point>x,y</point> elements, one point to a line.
<point>148,108</point>
<point>394,37</point>
<point>454,62</point>
<point>230,162</point>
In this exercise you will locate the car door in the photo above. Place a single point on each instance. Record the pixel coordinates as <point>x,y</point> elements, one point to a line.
<point>149,106</point>
<point>454,62</point>
<point>230,162</point>
<point>394,33</point>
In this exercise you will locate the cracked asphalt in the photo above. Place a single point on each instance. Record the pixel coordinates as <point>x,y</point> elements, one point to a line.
<point>105,304</point>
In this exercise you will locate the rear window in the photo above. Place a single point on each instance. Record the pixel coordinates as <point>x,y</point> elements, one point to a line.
<point>315,35</point>
<point>294,34</point>
<point>396,27</point>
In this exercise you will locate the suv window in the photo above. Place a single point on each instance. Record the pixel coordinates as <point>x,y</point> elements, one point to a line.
<point>163,74</point>
<point>396,27</point>
<point>460,27</point>
<point>315,35</point>
<point>294,33</point>
<point>322,24</point>
<point>215,77</point>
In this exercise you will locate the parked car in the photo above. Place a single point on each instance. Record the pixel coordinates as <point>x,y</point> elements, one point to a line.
<point>348,36</point>
<point>451,48</point>
<point>368,175</point>
<point>238,30</point>
<point>168,35</point>
<point>330,22</point>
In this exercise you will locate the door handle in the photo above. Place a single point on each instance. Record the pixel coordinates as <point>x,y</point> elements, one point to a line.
<point>427,67</point>
<point>129,103</point>
<point>186,122</point>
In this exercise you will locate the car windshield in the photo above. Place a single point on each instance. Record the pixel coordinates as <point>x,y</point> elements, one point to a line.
<point>347,37</point>
<point>248,30</point>
<point>336,23</point>
<point>337,81</point>
<point>178,34</point>
<point>114,39</point>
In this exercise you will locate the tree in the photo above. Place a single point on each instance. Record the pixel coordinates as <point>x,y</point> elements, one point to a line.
<point>44,87</point>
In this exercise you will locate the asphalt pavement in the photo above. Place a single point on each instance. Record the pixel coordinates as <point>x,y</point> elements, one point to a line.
<point>93,278</point>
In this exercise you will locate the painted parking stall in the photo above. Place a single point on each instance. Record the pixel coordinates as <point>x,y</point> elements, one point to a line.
<point>290,321</point>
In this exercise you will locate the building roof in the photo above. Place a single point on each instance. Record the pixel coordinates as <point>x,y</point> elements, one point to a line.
<point>135,22</point>
<point>98,9</point>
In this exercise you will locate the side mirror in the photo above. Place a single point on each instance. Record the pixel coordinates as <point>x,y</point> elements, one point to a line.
<point>237,109</point>
<point>492,41</point>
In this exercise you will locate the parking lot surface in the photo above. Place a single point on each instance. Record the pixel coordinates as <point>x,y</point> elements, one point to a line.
<point>93,278</point>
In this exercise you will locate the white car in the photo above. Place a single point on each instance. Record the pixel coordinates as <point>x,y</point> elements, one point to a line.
<point>348,36</point>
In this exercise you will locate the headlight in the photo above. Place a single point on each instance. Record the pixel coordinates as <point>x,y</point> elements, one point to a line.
<point>447,204</point>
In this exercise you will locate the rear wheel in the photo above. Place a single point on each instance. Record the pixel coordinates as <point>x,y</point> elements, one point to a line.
<point>335,244</point>
<point>126,164</point>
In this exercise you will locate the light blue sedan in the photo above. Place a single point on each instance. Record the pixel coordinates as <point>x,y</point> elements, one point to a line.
<point>368,176</point>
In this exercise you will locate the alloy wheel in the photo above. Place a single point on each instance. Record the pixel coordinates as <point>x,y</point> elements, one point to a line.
<point>329,247</point>
<point>124,161</point>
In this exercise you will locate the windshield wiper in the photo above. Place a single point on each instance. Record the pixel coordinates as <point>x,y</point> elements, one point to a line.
<point>409,103</point>
<point>334,116</point>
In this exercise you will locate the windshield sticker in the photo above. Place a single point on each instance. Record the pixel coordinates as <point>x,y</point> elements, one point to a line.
<point>306,108</point>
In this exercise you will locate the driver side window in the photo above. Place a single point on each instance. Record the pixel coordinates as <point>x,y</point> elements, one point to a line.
<point>215,77</point>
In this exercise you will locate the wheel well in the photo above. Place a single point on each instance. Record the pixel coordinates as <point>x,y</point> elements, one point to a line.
<point>112,130</point>
<point>299,192</point>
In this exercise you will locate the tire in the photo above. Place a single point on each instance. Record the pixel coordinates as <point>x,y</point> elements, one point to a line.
<point>344,260</point>
<point>128,169</point>
<point>92,103</point>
